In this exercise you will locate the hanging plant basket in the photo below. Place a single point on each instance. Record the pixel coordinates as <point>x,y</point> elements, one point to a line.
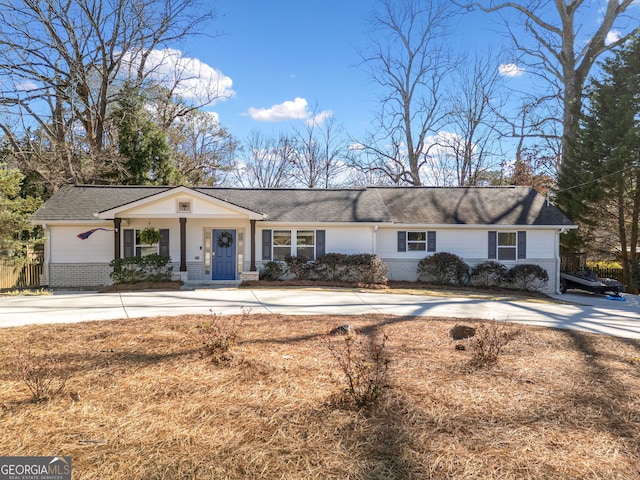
<point>150,236</point>
<point>225,240</point>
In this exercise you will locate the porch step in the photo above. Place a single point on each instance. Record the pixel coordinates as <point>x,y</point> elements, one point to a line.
<point>198,284</point>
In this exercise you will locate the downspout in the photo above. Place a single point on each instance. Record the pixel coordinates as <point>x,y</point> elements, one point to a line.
<point>557,258</point>
<point>374,240</point>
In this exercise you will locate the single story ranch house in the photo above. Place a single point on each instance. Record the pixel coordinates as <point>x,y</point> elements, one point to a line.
<point>227,234</point>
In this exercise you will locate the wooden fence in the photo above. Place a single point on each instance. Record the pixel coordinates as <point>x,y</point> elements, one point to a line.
<point>19,275</point>
<point>614,273</point>
<point>573,262</point>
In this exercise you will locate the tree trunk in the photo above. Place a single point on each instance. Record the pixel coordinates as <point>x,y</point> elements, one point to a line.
<point>635,216</point>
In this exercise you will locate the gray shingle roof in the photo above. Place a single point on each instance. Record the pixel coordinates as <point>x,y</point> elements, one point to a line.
<point>472,205</point>
<point>307,205</point>
<point>81,202</point>
<point>403,205</point>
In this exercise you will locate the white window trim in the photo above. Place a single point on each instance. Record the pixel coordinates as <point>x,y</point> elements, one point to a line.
<point>293,247</point>
<point>274,246</point>
<point>511,247</point>
<point>417,242</point>
<point>314,245</point>
<point>143,246</point>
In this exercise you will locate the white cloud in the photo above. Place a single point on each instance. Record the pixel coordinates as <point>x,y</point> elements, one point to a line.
<point>288,110</point>
<point>297,109</point>
<point>319,119</point>
<point>612,37</point>
<point>26,86</point>
<point>440,145</point>
<point>188,77</point>
<point>510,70</point>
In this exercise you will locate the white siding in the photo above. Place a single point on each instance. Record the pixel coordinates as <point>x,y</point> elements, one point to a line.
<point>541,244</point>
<point>472,246</point>
<point>466,242</point>
<point>66,247</point>
<point>349,240</point>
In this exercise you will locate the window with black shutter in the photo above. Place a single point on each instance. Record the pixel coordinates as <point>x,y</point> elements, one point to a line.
<point>507,246</point>
<point>416,241</point>
<point>133,247</point>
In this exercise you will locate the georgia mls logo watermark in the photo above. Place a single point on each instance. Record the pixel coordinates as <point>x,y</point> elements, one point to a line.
<point>35,468</point>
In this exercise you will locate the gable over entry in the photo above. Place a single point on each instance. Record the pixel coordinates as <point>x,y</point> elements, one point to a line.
<point>181,205</point>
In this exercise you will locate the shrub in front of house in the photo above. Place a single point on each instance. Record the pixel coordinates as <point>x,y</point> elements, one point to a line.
<point>526,276</point>
<point>272,271</point>
<point>150,268</point>
<point>488,274</point>
<point>355,268</point>
<point>443,268</point>
<point>298,267</point>
<point>374,269</point>
<point>331,267</point>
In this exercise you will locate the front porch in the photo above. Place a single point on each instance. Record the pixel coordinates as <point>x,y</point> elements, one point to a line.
<point>207,239</point>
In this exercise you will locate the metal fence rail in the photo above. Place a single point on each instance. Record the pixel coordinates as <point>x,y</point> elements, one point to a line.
<point>19,275</point>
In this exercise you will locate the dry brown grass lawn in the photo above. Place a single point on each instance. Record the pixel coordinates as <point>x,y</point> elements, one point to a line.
<point>147,405</point>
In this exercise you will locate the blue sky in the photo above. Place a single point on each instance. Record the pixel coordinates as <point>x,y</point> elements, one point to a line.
<point>291,57</point>
<point>280,51</point>
<point>281,59</point>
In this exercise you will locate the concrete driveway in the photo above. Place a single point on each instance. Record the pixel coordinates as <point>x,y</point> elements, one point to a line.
<point>586,312</point>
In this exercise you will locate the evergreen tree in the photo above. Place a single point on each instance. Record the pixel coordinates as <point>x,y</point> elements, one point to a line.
<point>15,212</point>
<point>142,144</point>
<point>603,181</point>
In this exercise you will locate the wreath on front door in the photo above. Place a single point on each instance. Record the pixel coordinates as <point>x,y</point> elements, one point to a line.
<point>225,240</point>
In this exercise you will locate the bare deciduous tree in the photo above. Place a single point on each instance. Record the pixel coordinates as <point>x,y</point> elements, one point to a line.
<point>266,162</point>
<point>321,153</point>
<point>409,63</point>
<point>558,46</point>
<point>474,121</point>
<point>61,62</point>
<point>202,149</point>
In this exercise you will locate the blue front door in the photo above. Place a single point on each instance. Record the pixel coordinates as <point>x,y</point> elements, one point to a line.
<point>223,261</point>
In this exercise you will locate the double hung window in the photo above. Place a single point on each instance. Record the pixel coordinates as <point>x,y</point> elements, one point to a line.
<point>133,247</point>
<point>507,245</point>
<point>416,241</point>
<point>280,244</point>
<point>306,244</point>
